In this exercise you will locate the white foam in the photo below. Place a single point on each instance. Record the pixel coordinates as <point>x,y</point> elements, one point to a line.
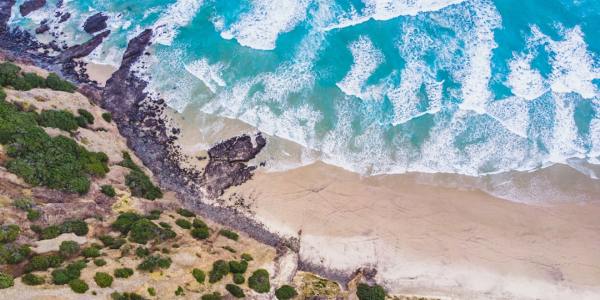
<point>266,20</point>
<point>366,60</point>
<point>388,9</point>
<point>176,16</point>
<point>524,81</point>
<point>209,74</point>
<point>512,113</point>
<point>564,137</point>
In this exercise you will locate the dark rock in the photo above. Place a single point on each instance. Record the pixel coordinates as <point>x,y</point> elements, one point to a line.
<point>84,49</point>
<point>238,148</point>
<point>42,29</point>
<point>5,13</point>
<point>95,23</point>
<point>31,5</point>
<point>64,17</point>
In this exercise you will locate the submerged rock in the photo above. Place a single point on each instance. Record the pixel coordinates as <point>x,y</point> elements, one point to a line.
<point>31,5</point>
<point>42,29</point>
<point>95,23</point>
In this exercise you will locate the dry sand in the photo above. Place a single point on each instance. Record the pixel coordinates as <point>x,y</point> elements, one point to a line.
<point>433,240</point>
<point>100,73</point>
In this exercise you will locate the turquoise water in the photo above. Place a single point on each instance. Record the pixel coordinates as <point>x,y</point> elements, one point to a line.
<point>379,86</point>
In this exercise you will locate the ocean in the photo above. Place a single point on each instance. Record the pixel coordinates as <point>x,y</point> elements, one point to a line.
<point>465,87</point>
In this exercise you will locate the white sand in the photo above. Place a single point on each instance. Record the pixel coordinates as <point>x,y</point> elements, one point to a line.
<point>432,240</point>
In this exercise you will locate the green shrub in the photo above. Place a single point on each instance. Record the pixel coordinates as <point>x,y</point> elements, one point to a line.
<point>125,221</point>
<point>143,231</point>
<point>54,82</point>
<point>123,272</point>
<point>229,234</point>
<point>185,224</point>
<point>286,292</point>
<point>78,227</point>
<point>140,185</point>
<point>219,270</point>
<point>9,233</point>
<point>259,281</point>
<point>199,275</point>
<point>43,263</point>
<point>200,233</point>
<point>34,80</point>
<point>103,280</point>
<point>235,290</point>
<point>151,291</point>
<point>108,190</point>
<point>154,215</point>
<point>107,117</point>
<point>6,281</point>
<point>199,223</point>
<point>247,257</point>
<point>13,254</point>
<point>8,73</point>
<point>50,232</point>
<point>24,203</point>
<point>185,213</point>
<point>238,278</point>
<point>213,296</point>
<point>72,271</point>
<point>366,292</point>
<point>165,225</point>
<point>68,248</point>
<point>32,279</point>
<point>90,252</point>
<point>33,215</point>
<point>238,266</point>
<point>78,286</point>
<point>179,291</point>
<point>99,262</point>
<point>152,263</point>
<point>126,296</point>
<point>142,252</point>
<point>89,118</point>
<point>60,119</point>
<point>127,162</point>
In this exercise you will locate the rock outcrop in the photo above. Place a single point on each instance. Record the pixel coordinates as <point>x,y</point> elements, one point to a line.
<point>83,50</point>
<point>5,12</point>
<point>30,6</point>
<point>95,23</point>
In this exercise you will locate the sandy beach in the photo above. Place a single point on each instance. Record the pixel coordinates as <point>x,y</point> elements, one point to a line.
<point>432,240</point>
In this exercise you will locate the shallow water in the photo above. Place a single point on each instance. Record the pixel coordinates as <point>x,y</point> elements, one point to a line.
<point>469,87</point>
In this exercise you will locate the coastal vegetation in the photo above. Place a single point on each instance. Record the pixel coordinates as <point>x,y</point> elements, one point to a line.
<point>367,292</point>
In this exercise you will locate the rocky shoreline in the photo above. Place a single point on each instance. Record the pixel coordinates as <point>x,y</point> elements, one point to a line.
<point>140,119</point>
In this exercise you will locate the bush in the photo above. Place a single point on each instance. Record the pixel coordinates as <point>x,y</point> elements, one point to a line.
<point>60,119</point>
<point>151,291</point>
<point>34,80</point>
<point>199,223</point>
<point>126,296</point>
<point>68,248</point>
<point>366,292</point>
<point>140,185</point>
<point>142,252</point>
<point>238,266</point>
<point>13,254</point>
<point>185,224</point>
<point>143,231</point>
<point>199,275</point>
<point>78,227</point>
<point>123,272</point>
<point>99,262</point>
<point>56,83</point>
<point>185,213</point>
<point>259,281</point>
<point>6,281</point>
<point>78,286</point>
<point>108,190</point>
<point>32,279</point>
<point>43,263</point>
<point>89,118</point>
<point>247,257</point>
<point>238,278</point>
<point>33,215</point>
<point>286,292</point>
<point>50,232</point>
<point>229,234</point>
<point>90,252</point>
<point>165,225</point>
<point>24,203</point>
<point>103,280</point>
<point>200,233</point>
<point>107,117</point>
<point>152,263</point>
<point>213,296</point>
<point>179,291</point>
<point>235,290</point>
<point>64,276</point>
<point>154,214</point>
<point>219,270</point>
<point>9,233</point>
<point>8,73</point>
<point>125,221</point>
